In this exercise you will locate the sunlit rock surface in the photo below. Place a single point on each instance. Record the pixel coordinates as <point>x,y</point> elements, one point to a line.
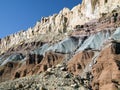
<point>74,49</point>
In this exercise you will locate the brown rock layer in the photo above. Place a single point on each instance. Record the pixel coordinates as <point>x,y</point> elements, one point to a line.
<point>106,71</point>
<point>79,61</point>
<point>63,22</point>
<point>34,65</point>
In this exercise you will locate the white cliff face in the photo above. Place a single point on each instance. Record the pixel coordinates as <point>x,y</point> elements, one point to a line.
<point>108,5</point>
<point>88,8</point>
<point>61,23</point>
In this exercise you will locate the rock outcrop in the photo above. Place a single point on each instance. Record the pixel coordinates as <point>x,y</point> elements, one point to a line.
<point>79,62</point>
<point>80,47</point>
<point>62,22</point>
<point>106,71</point>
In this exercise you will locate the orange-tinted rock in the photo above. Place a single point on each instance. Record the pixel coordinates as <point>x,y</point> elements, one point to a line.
<point>50,59</point>
<point>7,71</point>
<point>34,65</point>
<point>106,71</point>
<point>79,62</point>
<point>39,63</point>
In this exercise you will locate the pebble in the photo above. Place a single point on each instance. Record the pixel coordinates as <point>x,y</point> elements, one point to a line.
<point>18,86</point>
<point>63,69</point>
<point>49,69</point>
<point>74,85</point>
<point>42,88</point>
<point>67,75</point>
<point>58,65</point>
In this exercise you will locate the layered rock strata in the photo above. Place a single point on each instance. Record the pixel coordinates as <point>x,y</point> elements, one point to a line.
<point>62,22</point>
<point>84,41</point>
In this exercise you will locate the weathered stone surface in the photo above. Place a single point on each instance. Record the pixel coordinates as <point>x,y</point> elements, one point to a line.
<point>69,41</point>
<point>62,22</point>
<point>106,71</point>
<point>34,64</point>
<point>79,61</point>
<point>44,81</point>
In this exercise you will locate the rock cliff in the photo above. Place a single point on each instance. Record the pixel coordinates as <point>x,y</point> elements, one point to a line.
<point>80,46</point>
<point>62,22</point>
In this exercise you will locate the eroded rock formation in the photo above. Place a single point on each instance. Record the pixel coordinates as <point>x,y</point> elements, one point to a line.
<point>62,22</point>
<point>106,71</point>
<point>83,42</point>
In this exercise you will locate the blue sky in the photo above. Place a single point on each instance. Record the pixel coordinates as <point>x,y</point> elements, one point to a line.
<point>16,15</point>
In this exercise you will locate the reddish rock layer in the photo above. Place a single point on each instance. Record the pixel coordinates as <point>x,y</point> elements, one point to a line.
<point>34,65</point>
<point>79,61</point>
<point>106,71</point>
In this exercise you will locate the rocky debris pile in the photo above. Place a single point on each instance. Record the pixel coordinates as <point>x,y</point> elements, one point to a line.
<point>55,78</point>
